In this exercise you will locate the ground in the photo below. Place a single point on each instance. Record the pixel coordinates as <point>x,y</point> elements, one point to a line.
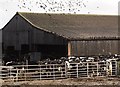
<point>113,82</point>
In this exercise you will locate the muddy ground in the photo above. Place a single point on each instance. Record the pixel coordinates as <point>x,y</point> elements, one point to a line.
<point>80,82</point>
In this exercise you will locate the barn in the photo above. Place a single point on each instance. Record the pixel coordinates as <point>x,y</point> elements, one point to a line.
<point>57,35</point>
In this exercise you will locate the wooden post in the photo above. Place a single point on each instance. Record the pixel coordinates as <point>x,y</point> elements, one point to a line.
<point>69,49</point>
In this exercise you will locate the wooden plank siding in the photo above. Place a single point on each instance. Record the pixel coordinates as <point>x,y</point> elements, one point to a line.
<point>94,47</point>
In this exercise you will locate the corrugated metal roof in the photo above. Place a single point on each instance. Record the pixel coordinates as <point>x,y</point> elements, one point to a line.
<point>75,26</point>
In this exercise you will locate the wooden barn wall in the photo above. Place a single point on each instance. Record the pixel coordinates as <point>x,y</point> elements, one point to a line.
<point>18,32</point>
<point>9,33</point>
<point>15,33</point>
<point>41,37</point>
<point>98,47</point>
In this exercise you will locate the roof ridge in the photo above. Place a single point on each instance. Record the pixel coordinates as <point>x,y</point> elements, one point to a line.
<point>65,14</point>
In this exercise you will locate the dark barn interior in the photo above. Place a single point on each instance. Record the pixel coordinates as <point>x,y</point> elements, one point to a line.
<point>55,35</point>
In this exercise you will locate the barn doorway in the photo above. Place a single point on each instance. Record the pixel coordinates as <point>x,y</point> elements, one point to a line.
<point>51,51</point>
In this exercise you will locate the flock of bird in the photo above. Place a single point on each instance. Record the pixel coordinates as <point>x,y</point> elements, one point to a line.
<point>52,5</point>
<point>70,6</point>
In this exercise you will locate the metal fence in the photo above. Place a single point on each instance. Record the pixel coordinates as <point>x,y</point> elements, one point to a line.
<point>58,71</point>
<point>87,69</point>
<point>32,72</point>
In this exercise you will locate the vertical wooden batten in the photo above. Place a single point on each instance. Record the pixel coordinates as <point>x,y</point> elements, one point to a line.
<point>69,48</point>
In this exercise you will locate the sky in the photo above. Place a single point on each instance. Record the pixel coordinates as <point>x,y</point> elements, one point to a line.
<point>8,8</point>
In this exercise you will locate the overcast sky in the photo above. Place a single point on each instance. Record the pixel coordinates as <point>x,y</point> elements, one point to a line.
<point>8,8</point>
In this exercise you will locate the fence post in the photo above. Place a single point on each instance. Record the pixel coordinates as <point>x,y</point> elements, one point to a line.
<point>53,72</point>
<point>87,69</point>
<point>65,70</point>
<point>97,68</point>
<point>77,70</point>
<point>116,67</point>
<point>40,71</point>
<point>106,68</point>
<point>111,70</point>
<point>9,72</point>
<point>17,75</point>
<point>26,72</point>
